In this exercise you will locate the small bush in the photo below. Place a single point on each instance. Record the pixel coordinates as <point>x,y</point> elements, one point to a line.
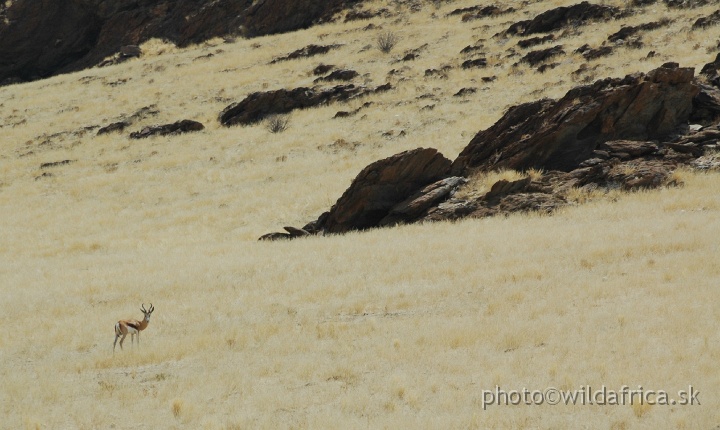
<point>277,123</point>
<point>387,41</point>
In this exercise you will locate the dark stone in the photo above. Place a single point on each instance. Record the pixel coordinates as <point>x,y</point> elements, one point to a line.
<point>275,236</point>
<point>534,58</point>
<point>527,43</point>
<point>339,75</point>
<point>545,67</point>
<point>322,69</point>
<point>470,64</point>
<point>593,53</point>
<point>178,127</point>
<point>55,164</point>
<point>625,32</point>
<point>130,51</point>
<point>706,105</point>
<point>560,17</point>
<point>114,127</point>
<point>346,114</point>
<point>633,148</point>
<point>127,121</point>
<point>707,21</point>
<point>308,51</point>
<point>381,186</point>
<point>640,174</point>
<point>465,92</point>
<point>257,106</point>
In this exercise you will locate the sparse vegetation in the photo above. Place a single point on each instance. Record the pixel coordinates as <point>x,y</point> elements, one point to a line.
<point>277,123</point>
<point>386,41</point>
<point>392,328</point>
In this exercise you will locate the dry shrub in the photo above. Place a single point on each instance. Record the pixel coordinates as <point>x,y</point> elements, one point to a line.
<point>386,41</point>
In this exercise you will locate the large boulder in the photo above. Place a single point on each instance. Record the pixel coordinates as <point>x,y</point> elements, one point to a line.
<point>40,38</point>
<point>381,186</point>
<point>561,134</point>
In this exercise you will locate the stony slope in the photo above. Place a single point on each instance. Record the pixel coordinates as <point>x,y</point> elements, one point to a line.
<point>41,38</point>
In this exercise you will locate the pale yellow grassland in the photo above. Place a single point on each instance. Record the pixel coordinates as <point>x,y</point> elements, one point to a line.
<point>393,328</point>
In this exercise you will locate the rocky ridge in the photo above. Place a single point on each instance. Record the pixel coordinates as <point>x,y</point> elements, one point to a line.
<point>628,133</point>
<point>70,35</point>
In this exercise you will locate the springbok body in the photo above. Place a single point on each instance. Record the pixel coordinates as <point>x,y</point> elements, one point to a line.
<point>132,327</point>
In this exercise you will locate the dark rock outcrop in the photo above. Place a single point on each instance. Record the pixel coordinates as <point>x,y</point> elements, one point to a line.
<point>321,69</point>
<point>560,17</point>
<point>559,135</point>
<point>127,120</point>
<point>41,38</point>
<point>338,75</point>
<point>476,63</point>
<point>477,12</point>
<point>628,134</point>
<point>396,189</point>
<point>710,72</point>
<point>626,32</point>
<point>707,21</point>
<point>706,105</point>
<point>259,105</point>
<point>534,58</point>
<point>55,164</point>
<point>177,127</point>
<point>537,40</point>
<point>382,185</point>
<point>592,53</point>
<point>308,51</point>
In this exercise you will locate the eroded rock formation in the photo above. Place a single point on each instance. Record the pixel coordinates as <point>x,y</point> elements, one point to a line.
<point>628,133</point>
<point>561,134</point>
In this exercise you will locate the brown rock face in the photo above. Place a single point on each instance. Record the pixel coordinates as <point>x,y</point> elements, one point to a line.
<point>44,37</point>
<point>559,135</point>
<point>381,186</point>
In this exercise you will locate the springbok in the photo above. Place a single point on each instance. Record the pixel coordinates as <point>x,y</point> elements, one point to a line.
<point>133,327</point>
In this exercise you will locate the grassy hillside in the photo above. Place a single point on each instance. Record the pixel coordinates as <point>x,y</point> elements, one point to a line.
<point>394,328</point>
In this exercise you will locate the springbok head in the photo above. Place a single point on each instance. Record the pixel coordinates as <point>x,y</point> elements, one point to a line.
<point>147,312</point>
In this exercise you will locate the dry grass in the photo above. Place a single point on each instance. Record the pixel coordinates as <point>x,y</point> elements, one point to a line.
<point>391,328</point>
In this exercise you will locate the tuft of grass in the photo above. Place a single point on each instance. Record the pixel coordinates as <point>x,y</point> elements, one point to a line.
<point>386,41</point>
<point>277,123</point>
